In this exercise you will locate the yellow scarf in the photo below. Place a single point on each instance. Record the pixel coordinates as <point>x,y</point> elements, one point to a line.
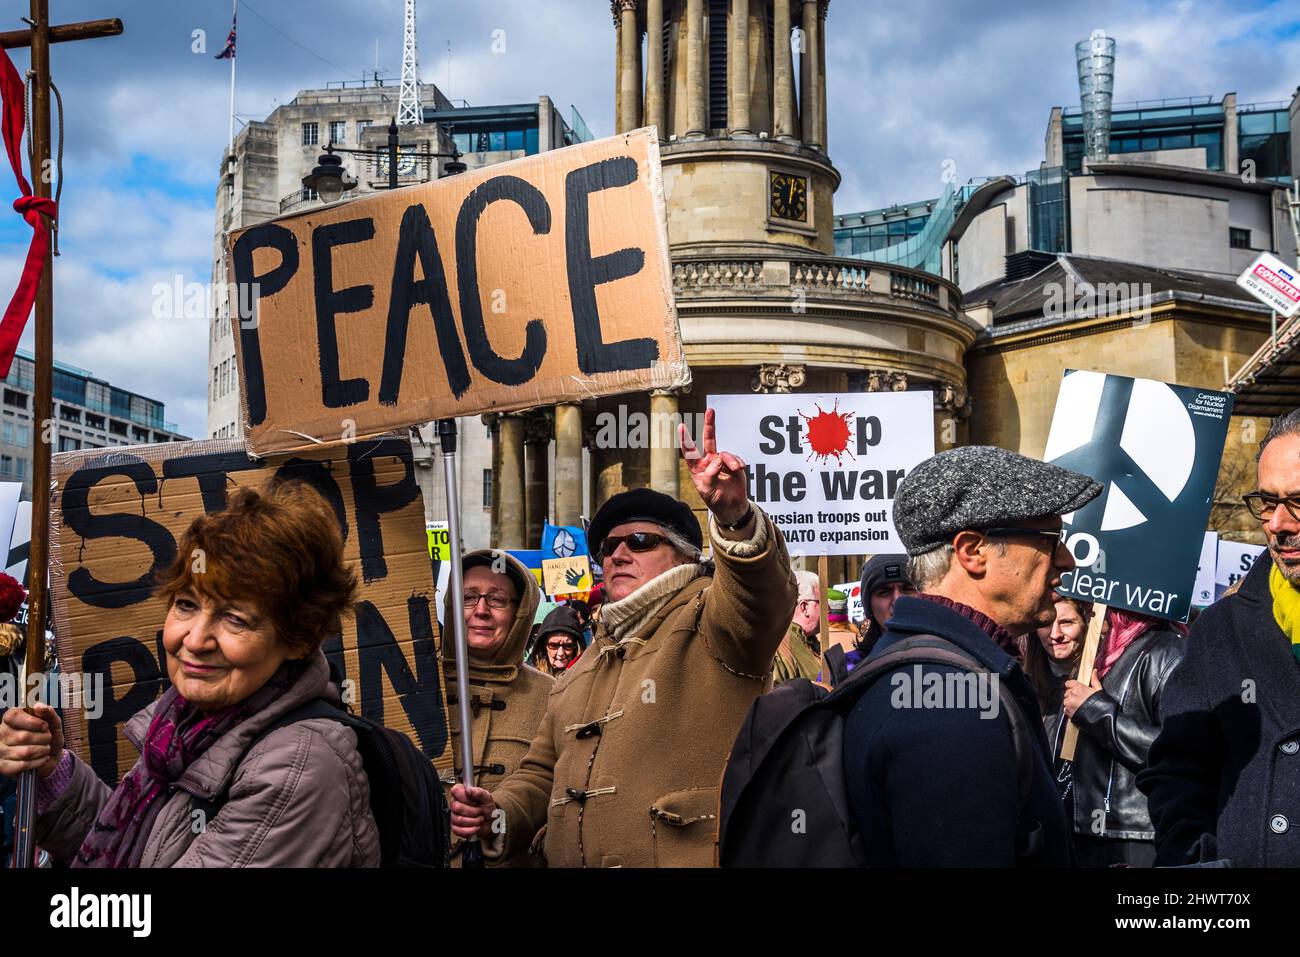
<point>1286,608</point>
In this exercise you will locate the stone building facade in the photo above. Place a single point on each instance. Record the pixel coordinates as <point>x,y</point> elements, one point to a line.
<point>737,92</point>
<point>263,179</point>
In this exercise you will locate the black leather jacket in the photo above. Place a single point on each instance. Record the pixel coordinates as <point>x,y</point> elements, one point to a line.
<point>1117,726</point>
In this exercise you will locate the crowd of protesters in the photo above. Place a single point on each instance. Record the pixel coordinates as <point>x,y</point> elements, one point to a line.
<point>601,732</point>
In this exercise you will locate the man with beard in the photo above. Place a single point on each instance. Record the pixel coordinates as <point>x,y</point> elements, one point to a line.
<point>1223,777</point>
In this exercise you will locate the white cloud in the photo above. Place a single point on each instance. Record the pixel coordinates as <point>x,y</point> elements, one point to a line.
<point>912,83</point>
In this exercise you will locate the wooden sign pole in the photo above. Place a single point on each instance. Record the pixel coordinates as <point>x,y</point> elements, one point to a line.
<point>823,614</point>
<point>1086,661</point>
<point>39,38</point>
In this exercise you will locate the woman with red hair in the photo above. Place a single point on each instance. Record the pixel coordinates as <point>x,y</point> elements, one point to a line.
<point>1118,714</point>
<point>253,593</point>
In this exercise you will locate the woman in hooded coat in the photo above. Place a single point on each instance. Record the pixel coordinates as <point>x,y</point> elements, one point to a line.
<point>499,602</point>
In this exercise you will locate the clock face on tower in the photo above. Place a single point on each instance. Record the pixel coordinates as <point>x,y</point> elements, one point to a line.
<point>406,163</point>
<point>788,197</point>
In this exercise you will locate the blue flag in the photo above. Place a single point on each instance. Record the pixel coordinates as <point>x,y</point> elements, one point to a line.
<point>563,541</point>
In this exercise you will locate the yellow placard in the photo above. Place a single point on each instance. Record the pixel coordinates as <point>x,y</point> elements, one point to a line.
<point>566,576</point>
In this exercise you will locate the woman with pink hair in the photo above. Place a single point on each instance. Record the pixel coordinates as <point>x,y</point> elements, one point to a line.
<point>1118,714</point>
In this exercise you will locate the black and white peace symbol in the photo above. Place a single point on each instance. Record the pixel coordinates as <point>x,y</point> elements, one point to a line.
<point>1133,435</point>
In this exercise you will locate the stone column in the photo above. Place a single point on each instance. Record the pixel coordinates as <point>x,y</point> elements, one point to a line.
<point>568,465</point>
<point>629,75</point>
<point>697,117</point>
<point>510,480</point>
<point>822,134</point>
<point>537,453</point>
<point>654,71</point>
<point>739,107</point>
<point>782,73</point>
<point>809,75</point>
<point>663,441</point>
<point>618,68</point>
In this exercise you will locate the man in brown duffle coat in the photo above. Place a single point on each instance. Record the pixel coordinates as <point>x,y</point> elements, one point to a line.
<point>626,767</point>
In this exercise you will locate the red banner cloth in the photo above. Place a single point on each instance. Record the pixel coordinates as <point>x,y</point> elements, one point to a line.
<point>30,207</point>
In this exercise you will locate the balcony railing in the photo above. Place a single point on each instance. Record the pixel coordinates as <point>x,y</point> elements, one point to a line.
<point>811,275</point>
<point>304,196</point>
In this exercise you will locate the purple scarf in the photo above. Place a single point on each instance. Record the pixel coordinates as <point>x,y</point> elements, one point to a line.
<point>178,734</point>
<point>1001,637</point>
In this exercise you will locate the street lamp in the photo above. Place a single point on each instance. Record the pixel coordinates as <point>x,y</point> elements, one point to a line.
<point>330,181</point>
<point>327,179</point>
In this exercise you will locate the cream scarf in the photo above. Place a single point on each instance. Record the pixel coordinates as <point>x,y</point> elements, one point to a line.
<point>623,618</point>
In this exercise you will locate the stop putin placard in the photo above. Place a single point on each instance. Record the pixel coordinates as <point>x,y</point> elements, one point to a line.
<point>826,467</point>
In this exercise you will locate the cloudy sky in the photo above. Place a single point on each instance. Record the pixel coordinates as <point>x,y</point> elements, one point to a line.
<point>911,85</point>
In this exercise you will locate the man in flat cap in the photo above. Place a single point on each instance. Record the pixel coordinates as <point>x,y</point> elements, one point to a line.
<point>945,760</point>
<point>626,767</point>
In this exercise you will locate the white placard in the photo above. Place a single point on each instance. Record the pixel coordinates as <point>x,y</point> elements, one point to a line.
<point>1273,283</point>
<point>827,467</point>
<point>1203,591</point>
<point>1235,559</point>
<point>20,543</point>
<point>854,591</point>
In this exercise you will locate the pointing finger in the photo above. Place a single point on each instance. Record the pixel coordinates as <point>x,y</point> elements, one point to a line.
<point>710,439</point>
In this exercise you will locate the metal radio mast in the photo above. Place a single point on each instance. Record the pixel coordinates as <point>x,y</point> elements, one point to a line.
<point>408,102</point>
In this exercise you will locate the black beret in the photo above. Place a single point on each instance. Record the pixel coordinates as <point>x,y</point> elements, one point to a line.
<point>644,505</point>
<point>978,486</point>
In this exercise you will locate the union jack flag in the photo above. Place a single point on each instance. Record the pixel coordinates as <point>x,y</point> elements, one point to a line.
<point>228,51</point>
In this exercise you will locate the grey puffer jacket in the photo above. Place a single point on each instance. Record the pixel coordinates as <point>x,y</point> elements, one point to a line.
<point>299,798</point>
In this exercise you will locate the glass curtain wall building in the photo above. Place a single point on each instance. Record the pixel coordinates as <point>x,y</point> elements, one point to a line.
<point>1263,131</point>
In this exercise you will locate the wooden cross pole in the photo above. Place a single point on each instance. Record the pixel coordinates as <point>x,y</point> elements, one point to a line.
<point>38,38</point>
<point>1087,659</point>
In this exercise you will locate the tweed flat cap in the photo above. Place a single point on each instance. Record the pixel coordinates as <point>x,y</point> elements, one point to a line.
<point>977,486</point>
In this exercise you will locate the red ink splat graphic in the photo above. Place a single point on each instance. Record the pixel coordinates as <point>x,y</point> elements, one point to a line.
<point>828,433</point>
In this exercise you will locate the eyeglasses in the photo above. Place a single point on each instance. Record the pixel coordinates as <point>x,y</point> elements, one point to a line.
<point>495,600</point>
<point>565,645</point>
<point>1012,531</point>
<point>635,541</point>
<point>1263,506</point>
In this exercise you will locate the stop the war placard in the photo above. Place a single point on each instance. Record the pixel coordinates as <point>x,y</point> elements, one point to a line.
<point>1156,448</point>
<point>117,518</point>
<point>518,285</point>
<point>826,467</point>
<point>1235,560</point>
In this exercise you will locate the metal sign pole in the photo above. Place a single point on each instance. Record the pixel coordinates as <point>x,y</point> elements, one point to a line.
<point>472,854</point>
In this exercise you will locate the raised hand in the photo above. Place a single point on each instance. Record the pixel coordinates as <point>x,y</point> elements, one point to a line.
<point>719,477</point>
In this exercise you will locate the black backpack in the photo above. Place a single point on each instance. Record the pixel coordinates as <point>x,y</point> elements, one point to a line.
<point>790,754</point>
<point>406,796</point>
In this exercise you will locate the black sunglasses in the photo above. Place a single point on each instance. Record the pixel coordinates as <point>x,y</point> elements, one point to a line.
<point>636,542</point>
